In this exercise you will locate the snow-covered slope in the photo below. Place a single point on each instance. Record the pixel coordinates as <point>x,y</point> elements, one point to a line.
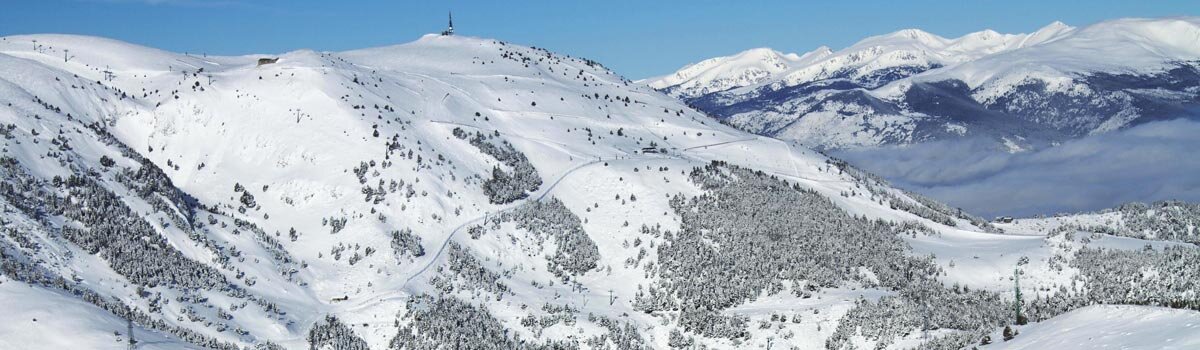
<point>911,86</point>
<point>37,318</point>
<point>468,191</point>
<point>1165,220</point>
<point>1109,327</point>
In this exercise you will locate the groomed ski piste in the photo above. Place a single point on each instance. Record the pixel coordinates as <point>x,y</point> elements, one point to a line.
<point>274,161</point>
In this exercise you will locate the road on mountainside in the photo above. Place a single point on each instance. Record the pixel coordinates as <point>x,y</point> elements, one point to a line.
<point>545,191</point>
<point>720,143</point>
<point>542,193</point>
<point>791,159</point>
<point>436,256</point>
<point>562,146</point>
<point>391,295</point>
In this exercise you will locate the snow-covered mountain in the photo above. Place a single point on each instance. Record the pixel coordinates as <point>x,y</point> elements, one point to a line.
<point>1022,90</point>
<point>723,73</point>
<point>866,62</point>
<point>474,192</point>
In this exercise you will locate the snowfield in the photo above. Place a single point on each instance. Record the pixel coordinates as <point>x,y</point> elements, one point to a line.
<point>1110,327</point>
<point>36,318</point>
<point>467,190</point>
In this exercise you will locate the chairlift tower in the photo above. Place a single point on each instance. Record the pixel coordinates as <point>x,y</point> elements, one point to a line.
<point>129,334</point>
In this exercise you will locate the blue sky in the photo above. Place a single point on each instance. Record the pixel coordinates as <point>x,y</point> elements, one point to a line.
<point>635,38</point>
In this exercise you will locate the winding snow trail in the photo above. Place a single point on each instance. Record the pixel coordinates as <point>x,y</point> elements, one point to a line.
<point>545,191</point>
<point>562,147</point>
<point>720,143</point>
<point>403,290</point>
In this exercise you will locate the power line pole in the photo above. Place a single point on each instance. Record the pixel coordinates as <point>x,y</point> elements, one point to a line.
<point>925,321</point>
<point>129,331</point>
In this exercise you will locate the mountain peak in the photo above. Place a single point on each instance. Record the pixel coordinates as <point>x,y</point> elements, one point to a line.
<point>1055,26</point>
<point>726,72</point>
<point>763,54</point>
<point>986,34</point>
<point>987,62</point>
<point>910,35</point>
<point>913,33</point>
<point>1051,31</point>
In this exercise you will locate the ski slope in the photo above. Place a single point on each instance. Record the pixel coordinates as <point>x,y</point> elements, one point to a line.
<point>1109,327</point>
<point>34,318</point>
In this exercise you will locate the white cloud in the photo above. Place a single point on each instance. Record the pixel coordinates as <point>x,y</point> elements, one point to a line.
<point>1154,161</point>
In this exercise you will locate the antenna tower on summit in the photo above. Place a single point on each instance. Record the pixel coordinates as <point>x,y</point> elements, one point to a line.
<point>450,25</point>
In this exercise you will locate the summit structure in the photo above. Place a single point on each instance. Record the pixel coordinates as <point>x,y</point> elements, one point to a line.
<point>450,25</point>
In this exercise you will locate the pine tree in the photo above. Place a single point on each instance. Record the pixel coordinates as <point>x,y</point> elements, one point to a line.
<point>1021,319</point>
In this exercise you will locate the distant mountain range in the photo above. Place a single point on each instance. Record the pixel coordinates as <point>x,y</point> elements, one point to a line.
<point>1023,90</point>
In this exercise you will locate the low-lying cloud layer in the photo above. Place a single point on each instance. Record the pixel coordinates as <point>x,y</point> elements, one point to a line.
<point>1154,161</point>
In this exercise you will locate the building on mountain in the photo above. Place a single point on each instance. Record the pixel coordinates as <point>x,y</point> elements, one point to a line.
<point>264,61</point>
<point>450,26</point>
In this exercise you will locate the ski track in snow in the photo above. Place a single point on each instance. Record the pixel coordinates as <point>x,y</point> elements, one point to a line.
<point>511,206</point>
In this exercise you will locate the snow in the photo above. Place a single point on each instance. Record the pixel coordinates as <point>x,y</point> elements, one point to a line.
<point>1131,45</point>
<point>1109,327</point>
<point>722,73</point>
<point>1015,74</point>
<point>44,319</point>
<point>291,133</point>
<point>905,47</point>
<point>289,127</point>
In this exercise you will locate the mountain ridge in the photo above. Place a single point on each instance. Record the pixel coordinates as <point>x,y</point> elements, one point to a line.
<point>1116,73</point>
